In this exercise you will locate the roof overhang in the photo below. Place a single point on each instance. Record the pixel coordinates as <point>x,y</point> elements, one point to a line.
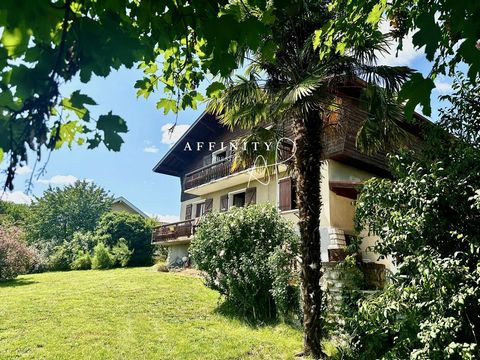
<point>206,128</point>
<point>348,189</point>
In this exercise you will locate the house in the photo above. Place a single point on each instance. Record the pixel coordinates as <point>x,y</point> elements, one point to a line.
<point>202,160</point>
<point>122,204</point>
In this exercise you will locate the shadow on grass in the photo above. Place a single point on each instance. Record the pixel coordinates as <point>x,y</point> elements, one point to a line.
<point>16,283</point>
<point>232,311</point>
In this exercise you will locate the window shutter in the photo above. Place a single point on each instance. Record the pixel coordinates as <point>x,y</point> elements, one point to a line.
<point>188,212</point>
<point>285,194</point>
<point>208,205</point>
<point>224,203</point>
<point>250,196</point>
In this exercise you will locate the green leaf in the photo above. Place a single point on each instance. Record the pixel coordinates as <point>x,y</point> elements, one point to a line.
<point>215,89</point>
<point>376,13</point>
<point>68,132</point>
<point>167,105</point>
<point>428,35</point>
<point>1,155</point>
<point>111,125</point>
<point>417,90</point>
<point>15,40</point>
<point>79,100</point>
<point>317,38</point>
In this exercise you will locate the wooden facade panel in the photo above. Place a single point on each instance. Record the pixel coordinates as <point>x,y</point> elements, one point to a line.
<point>338,142</point>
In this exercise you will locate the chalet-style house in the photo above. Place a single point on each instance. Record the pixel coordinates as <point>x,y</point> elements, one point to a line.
<point>202,160</point>
<point>122,204</point>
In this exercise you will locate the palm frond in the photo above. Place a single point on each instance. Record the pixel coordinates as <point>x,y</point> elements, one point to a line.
<point>382,129</point>
<point>389,77</point>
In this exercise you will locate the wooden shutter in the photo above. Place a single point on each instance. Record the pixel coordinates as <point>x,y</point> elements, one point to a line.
<point>208,205</point>
<point>285,194</point>
<point>188,212</point>
<point>224,203</point>
<point>250,196</point>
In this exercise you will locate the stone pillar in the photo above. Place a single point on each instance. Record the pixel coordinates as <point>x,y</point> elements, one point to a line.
<point>336,248</point>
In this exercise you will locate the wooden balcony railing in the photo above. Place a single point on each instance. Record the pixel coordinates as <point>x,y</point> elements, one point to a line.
<point>223,168</point>
<point>214,171</point>
<point>173,231</point>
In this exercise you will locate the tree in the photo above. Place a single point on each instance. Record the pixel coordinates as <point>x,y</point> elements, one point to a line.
<point>61,212</point>
<point>294,83</point>
<point>428,219</point>
<point>13,213</point>
<point>178,46</point>
<point>46,43</point>
<point>448,32</point>
<point>117,227</point>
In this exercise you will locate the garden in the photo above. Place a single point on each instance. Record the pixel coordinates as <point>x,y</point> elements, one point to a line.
<point>77,280</point>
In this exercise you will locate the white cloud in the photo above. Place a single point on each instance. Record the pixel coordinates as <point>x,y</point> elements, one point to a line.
<point>170,137</point>
<point>443,87</point>
<point>164,218</point>
<point>405,57</point>
<point>24,170</point>
<point>151,149</point>
<point>16,197</point>
<point>59,180</point>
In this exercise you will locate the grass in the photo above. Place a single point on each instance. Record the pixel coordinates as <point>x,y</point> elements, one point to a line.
<point>128,314</point>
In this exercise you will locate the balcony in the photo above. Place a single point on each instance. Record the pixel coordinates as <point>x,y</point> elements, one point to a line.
<point>209,173</point>
<point>202,181</point>
<point>177,232</point>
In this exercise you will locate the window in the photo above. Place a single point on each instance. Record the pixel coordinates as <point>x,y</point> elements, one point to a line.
<point>219,155</point>
<point>287,194</point>
<point>243,197</point>
<point>199,209</point>
<point>239,200</point>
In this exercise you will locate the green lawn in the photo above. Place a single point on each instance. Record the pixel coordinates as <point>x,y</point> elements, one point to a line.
<point>128,314</point>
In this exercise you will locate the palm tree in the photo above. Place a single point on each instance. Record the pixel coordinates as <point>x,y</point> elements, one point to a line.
<point>297,84</point>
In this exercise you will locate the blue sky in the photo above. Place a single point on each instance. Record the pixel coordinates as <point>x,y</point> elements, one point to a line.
<point>128,173</point>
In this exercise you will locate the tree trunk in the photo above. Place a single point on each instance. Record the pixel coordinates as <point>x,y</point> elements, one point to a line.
<point>308,162</point>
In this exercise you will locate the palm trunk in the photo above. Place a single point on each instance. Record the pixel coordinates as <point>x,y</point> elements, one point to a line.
<point>308,162</point>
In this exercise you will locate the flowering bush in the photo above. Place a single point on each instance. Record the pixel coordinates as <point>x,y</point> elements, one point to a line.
<point>15,256</point>
<point>247,255</point>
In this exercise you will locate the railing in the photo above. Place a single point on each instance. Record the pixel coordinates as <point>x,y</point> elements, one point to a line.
<point>173,231</point>
<point>223,168</point>
<point>214,171</point>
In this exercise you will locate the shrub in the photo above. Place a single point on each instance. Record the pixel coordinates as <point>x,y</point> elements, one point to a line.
<point>84,241</point>
<point>238,250</point>
<point>102,259</point>
<point>428,221</point>
<point>286,279</point>
<point>121,253</point>
<point>136,230</point>
<point>61,258</point>
<point>15,256</point>
<point>82,261</point>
